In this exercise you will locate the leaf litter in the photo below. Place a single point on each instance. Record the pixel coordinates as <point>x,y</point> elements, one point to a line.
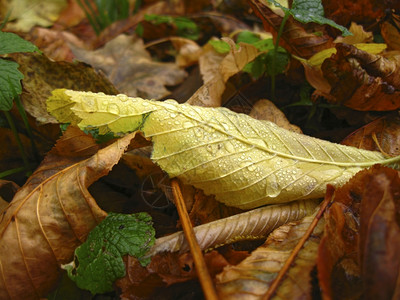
<point>158,280</point>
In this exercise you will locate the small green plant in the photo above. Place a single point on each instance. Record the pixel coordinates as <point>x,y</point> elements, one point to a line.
<point>263,62</point>
<point>10,89</point>
<point>185,27</point>
<point>304,11</point>
<point>102,13</point>
<point>98,262</point>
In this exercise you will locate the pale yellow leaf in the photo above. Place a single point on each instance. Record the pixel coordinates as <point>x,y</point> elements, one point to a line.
<point>244,162</point>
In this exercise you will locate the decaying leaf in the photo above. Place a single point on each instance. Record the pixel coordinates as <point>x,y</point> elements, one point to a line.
<point>48,218</point>
<point>360,249</point>
<point>129,66</point>
<point>251,278</point>
<point>380,235</point>
<point>266,110</point>
<point>217,70</point>
<point>42,75</point>
<point>28,13</point>
<point>246,163</point>
<point>381,134</point>
<point>391,35</point>
<point>363,81</point>
<point>295,37</point>
<point>255,224</point>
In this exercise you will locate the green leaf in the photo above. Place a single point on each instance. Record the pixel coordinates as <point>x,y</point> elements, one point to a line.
<point>247,37</point>
<point>307,11</point>
<point>185,27</point>
<point>242,161</point>
<point>98,262</point>
<point>10,85</point>
<point>11,43</point>
<point>220,46</point>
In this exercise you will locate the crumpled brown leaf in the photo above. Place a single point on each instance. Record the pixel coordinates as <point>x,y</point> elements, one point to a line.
<point>266,110</point>
<point>382,134</point>
<point>217,69</point>
<point>295,36</point>
<point>361,80</point>
<point>360,249</point>
<point>129,66</point>
<point>251,278</point>
<point>380,235</point>
<point>48,218</point>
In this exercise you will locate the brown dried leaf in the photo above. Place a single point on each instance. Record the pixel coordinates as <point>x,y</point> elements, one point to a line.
<point>252,277</point>
<point>129,66</point>
<point>267,110</point>
<point>55,44</point>
<point>48,218</point>
<point>391,35</point>
<point>359,35</point>
<point>295,37</point>
<point>360,249</point>
<point>216,75</point>
<point>380,235</point>
<point>42,76</point>
<point>382,134</point>
<point>164,269</point>
<point>75,143</point>
<point>337,254</point>
<point>363,81</point>
<point>254,224</point>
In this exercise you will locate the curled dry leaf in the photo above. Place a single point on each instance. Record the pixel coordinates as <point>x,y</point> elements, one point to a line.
<point>382,134</point>
<point>55,44</point>
<point>48,218</point>
<point>380,235</point>
<point>295,37</point>
<point>216,75</point>
<point>251,278</point>
<point>391,35</point>
<point>244,162</point>
<point>359,35</point>
<point>360,249</point>
<point>267,110</point>
<point>363,81</point>
<point>254,224</point>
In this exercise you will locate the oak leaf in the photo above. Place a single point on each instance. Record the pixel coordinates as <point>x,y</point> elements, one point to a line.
<point>242,161</point>
<point>48,218</point>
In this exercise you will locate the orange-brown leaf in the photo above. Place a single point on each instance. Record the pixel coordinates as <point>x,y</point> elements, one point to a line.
<point>360,249</point>
<point>295,37</point>
<point>380,235</point>
<point>48,218</point>
<point>363,81</point>
<point>382,134</point>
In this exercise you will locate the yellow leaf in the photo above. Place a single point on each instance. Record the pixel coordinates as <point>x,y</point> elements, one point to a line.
<point>317,59</point>
<point>244,162</point>
<point>29,13</point>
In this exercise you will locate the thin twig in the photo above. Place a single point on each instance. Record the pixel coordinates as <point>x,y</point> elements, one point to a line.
<point>275,284</point>
<point>201,268</point>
